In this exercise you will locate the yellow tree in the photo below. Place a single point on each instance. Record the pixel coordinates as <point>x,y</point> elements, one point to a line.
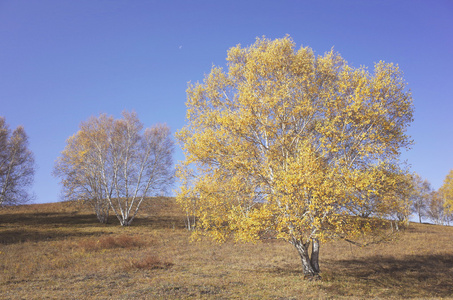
<point>115,165</point>
<point>446,191</point>
<point>287,142</point>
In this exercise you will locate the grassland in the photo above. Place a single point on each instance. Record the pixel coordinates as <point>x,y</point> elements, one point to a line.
<point>60,251</point>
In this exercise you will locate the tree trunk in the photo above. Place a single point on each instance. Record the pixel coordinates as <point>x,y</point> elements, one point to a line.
<point>315,255</point>
<point>102,211</point>
<point>125,222</point>
<point>310,266</point>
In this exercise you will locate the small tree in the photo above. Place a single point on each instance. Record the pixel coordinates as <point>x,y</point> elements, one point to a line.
<point>112,164</point>
<point>385,197</point>
<point>16,165</point>
<point>420,196</point>
<point>435,210</point>
<point>396,195</point>
<point>292,143</point>
<point>446,191</point>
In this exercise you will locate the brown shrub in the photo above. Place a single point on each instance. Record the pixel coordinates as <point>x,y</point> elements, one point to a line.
<point>110,242</point>
<point>88,244</point>
<point>107,243</point>
<point>125,241</point>
<point>151,262</point>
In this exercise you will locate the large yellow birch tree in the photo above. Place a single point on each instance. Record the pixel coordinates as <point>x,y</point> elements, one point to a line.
<point>287,142</point>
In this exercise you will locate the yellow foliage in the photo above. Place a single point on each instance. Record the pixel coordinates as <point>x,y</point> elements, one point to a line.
<point>299,145</point>
<point>447,192</point>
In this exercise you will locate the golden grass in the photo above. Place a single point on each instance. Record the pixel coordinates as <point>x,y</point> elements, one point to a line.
<point>60,251</point>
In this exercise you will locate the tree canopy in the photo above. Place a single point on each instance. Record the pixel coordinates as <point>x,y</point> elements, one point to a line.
<point>295,144</point>
<point>446,192</point>
<point>420,196</point>
<point>115,166</point>
<point>17,165</point>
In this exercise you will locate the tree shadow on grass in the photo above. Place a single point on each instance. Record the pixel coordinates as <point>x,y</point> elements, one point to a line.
<point>47,218</point>
<point>47,226</point>
<point>44,226</point>
<point>81,220</point>
<point>382,276</point>
<point>23,235</point>
<point>159,222</point>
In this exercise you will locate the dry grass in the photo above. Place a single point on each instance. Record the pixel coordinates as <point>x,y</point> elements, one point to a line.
<point>110,242</point>
<point>60,251</point>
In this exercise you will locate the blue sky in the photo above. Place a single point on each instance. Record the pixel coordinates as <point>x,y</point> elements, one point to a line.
<point>62,61</point>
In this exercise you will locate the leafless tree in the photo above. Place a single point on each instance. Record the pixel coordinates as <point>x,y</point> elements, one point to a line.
<point>16,165</point>
<point>420,196</point>
<point>115,165</point>
<point>435,210</point>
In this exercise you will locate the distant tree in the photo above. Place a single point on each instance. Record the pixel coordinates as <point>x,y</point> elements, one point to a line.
<point>291,143</point>
<point>190,204</point>
<point>386,197</point>
<point>420,196</point>
<point>435,209</point>
<point>112,164</point>
<point>17,167</point>
<point>447,191</point>
<point>399,207</point>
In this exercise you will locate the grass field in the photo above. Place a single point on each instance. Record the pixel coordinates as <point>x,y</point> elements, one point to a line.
<point>60,251</point>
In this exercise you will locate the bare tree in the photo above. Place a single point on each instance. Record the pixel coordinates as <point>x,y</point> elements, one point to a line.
<point>420,196</point>
<point>16,165</point>
<point>113,165</point>
<point>435,210</point>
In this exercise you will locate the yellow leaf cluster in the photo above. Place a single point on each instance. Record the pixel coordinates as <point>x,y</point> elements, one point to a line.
<point>447,192</point>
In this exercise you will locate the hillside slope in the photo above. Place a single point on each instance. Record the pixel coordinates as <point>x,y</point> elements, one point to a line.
<point>60,251</point>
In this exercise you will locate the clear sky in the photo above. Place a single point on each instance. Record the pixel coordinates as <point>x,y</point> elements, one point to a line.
<point>62,61</point>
